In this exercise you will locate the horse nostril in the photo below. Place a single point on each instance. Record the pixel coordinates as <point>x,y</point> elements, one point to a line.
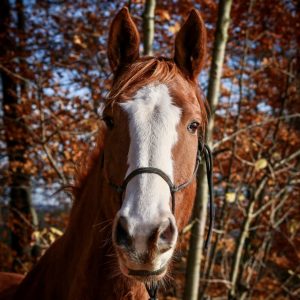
<point>167,234</point>
<point>122,236</point>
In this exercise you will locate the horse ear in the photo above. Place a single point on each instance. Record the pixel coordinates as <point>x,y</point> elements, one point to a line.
<point>123,40</point>
<point>190,45</point>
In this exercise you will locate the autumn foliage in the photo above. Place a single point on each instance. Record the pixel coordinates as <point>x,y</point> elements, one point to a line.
<point>55,75</point>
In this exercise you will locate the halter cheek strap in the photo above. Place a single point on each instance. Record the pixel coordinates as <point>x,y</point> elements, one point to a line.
<point>153,288</point>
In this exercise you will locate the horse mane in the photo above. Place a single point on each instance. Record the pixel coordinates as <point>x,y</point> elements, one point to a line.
<point>88,160</point>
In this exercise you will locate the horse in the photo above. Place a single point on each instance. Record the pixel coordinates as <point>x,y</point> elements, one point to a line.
<point>136,191</point>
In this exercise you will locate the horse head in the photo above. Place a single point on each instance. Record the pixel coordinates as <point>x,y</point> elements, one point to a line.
<point>155,116</point>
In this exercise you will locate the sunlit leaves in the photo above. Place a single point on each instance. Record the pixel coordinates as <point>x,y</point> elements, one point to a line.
<point>260,164</point>
<point>230,197</point>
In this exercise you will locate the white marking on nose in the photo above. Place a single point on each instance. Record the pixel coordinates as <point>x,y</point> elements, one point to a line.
<point>152,126</point>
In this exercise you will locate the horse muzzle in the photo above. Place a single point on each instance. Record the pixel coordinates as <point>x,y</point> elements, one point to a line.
<point>144,254</point>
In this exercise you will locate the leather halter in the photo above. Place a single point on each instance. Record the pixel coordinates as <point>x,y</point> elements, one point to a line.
<point>150,170</point>
<point>153,288</point>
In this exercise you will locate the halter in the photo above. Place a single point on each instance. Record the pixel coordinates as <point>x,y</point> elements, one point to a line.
<point>153,287</point>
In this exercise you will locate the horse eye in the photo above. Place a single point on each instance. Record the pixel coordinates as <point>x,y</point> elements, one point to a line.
<point>192,127</point>
<point>108,121</point>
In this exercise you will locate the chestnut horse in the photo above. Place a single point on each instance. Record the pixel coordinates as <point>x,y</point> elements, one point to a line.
<point>137,190</point>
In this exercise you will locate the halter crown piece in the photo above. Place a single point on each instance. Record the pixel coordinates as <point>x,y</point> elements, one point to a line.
<point>152,288</point>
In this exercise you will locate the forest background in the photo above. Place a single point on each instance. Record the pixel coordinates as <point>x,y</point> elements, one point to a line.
<point>54,76</point>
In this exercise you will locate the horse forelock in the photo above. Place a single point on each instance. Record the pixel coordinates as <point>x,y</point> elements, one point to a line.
<point>148,70</point>
<point>145,70</point>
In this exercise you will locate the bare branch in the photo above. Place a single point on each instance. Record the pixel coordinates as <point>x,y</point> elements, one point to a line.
<point>230,137</point>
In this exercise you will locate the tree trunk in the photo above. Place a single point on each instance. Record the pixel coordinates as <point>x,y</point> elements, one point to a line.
<point>148,26</point>
<point>20,219</point>
<point>200,208</point>
<point>236,264</point>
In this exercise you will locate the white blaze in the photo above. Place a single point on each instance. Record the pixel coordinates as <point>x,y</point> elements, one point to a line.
<point>153,119</point>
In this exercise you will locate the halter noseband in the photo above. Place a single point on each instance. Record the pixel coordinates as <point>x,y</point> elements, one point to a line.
<point>152,289</point>
<point>150,170</point>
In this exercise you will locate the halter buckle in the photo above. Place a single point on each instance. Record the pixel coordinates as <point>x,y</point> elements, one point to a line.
<point>174,188</point>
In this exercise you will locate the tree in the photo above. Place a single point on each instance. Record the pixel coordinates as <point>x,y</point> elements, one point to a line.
<point>16,136</point>
<point>200,208</point>
<point>148,26</point>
